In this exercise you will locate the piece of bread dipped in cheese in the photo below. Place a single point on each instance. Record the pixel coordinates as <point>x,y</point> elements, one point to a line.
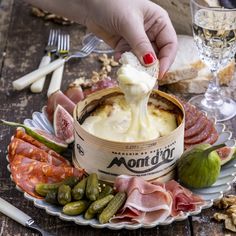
<point>131,59</point>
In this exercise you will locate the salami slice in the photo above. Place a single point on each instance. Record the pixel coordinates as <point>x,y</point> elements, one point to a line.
<point>211,139</point>
<point>27,138</point>
<point>191,116</point>
<point>27,173</point>
<point>20,147</point>
<point>206,132</point>
<point>197,127</point>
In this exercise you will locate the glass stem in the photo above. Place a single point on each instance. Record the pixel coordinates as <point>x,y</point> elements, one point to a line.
<point>213,98</point>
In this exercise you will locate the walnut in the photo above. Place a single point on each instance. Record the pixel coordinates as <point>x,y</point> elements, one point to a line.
<point>230,225</point>
<point>228,203</point>
<point>50,16</point>
<point>219,216</point>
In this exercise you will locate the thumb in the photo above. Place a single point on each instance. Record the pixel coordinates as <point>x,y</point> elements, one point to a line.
<point>137,38</point>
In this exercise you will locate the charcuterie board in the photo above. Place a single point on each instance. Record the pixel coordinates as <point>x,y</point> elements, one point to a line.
<point>215,192</point>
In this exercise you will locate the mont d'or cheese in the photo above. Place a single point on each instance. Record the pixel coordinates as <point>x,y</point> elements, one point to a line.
<point>129,118</point>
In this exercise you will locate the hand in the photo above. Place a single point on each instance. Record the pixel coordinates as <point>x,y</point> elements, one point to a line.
<point>137,25</point>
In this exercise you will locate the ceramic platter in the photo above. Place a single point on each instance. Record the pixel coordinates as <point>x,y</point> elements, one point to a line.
<point>215,192</point>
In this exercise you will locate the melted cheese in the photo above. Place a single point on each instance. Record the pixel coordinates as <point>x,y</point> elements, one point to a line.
<point>129,118</point>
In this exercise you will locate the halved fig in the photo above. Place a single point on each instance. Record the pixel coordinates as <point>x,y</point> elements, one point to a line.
<point>63,124</point>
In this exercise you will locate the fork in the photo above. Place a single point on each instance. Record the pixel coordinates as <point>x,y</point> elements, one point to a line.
<point>28,79</point>
<point>63,47</point>
<point>20,217</point>
<point>51,47</point>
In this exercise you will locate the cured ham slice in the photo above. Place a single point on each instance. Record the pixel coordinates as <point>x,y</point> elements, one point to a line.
<point>27,173</point>
<point>101,84</point>
<point>27,138</point>
<point>145,203</point>
<point>75,93</point>
<point>20,147</point>
<point>183,199</point>
<point>58,98</point>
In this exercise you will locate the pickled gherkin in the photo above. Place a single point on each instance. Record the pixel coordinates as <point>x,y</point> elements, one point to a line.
<point>51,197</point>
<point>42,188</point>
<point>92,187</point>
<point>79,189</point>
<point>64,194</point>
<point>113,206</point>
<point>75,208</point>
<point>97,206</point>
<point>106,190</point>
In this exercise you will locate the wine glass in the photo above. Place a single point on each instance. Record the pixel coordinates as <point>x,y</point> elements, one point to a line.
<point>101,47</point>
<point>214,31</point>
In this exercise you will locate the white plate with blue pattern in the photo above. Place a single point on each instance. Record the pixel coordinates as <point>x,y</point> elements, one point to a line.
<point>210,194</point>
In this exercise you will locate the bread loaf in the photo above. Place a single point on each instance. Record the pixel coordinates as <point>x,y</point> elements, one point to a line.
<point>187,62</point>
<point>188,74</point>
<point>200,83</point>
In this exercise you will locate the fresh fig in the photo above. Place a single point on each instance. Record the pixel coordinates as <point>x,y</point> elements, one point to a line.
<point>63,124</point>
<point>226,154</point>
<point>49,140</point>
<point>200,166</point>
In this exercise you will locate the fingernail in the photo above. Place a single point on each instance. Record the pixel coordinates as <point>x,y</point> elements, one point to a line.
<point>149,58</point>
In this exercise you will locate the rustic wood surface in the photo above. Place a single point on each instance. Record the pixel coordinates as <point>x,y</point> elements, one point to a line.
<point>22,41</point>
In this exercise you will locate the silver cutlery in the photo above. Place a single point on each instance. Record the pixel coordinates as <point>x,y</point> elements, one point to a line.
<point>63,48</point>
<point>19,216</point>
<point>51,48</point>
<point>28,79</point>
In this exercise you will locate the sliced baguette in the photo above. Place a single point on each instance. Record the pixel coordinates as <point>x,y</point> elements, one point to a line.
<point>187,62</point>
<point>130,58</point>
<point>200,83</point>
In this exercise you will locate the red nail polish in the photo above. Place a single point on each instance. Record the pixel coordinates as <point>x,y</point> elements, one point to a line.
<point>149,58</point>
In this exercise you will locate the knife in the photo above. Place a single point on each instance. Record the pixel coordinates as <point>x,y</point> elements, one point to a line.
<point>19,216</point>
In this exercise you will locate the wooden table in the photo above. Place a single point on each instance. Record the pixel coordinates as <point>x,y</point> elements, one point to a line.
<point>22,41</point>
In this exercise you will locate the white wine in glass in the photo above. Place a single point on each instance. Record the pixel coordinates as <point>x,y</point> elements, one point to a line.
<point>101,47</point>
<point>214,31</point>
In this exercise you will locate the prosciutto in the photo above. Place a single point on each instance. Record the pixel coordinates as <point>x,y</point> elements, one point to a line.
<point>183,199</point>
<point>18,146</point>
<point>146,203</point>
<point>75,93</point>
<point>27,173</point>
<point>101,84</point>
<point>58,98</point>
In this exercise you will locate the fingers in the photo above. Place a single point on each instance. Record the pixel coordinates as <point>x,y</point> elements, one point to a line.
<point>166,41</point>
<point>138,40</point>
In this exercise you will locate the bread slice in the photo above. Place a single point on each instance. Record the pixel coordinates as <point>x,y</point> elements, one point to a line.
<point>130,58</point>
<point>200,83</point>
<point>187,62</point>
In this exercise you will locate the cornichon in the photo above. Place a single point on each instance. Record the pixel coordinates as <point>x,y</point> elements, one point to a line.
<point>43,189</point>
<point>79,189</point>
<point>75,208</point>
<point>113,206</point>
<point>97,206</point>
<point>106,190</point>
<point>51,197</point>
<point>64,194</point>
<point>92,187</point>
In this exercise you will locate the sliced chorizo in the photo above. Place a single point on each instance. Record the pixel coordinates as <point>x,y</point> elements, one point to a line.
<point>20,147</point>
<point>27,138</point>
<point>27,173</point>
